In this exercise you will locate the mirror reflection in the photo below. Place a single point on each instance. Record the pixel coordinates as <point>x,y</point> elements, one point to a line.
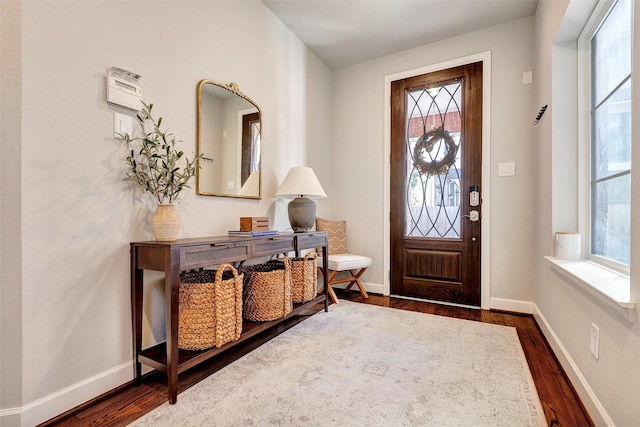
<point>228,139</point>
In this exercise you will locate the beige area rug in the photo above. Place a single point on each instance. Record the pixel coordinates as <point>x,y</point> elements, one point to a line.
<point>363,365</point>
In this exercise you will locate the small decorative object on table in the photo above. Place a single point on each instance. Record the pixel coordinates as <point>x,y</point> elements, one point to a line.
<point>254,223</point>
<point>152,166</point>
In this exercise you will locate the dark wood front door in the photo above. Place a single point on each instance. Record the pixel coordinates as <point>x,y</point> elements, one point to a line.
<point>436,163</point>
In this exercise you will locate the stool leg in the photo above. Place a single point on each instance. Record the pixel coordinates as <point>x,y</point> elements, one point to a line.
<point>332,293</point>
<point>356,280</point>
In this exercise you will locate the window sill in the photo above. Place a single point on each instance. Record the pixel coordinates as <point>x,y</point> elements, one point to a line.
<point>606,286</point>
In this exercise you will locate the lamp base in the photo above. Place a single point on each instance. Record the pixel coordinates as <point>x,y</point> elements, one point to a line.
<point>302,214</point>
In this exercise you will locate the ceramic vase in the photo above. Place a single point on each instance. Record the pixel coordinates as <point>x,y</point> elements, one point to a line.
<point>165,223</point>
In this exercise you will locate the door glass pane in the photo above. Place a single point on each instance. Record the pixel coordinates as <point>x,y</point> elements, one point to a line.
<point>255,146</point>
<point>611,51</point>
<point>611,147</point>
<point>433,129</point>
<point>610,221</point>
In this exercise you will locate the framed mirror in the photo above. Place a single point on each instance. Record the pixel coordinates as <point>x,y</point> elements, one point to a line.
<point>228,139</point>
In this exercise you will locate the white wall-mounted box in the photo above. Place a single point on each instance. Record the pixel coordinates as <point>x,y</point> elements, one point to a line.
<point>123,88</point>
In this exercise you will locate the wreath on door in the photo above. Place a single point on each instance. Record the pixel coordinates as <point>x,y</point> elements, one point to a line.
<point>425,144</point>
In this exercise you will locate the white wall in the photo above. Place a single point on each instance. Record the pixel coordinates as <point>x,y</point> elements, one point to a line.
<point>76,217</point>
<point>610,386</point>
<point>358,151</point>
<point>10,200</point>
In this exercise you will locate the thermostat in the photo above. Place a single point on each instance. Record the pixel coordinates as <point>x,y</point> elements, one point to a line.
<point>123,88</point>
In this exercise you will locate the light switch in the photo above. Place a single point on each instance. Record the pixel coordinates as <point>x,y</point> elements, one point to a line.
<point>231,185</point>
<point>122,123</point>
<point>507,169</point>
<point>527,77</point>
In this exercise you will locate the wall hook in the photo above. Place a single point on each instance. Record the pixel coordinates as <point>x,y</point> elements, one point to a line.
<point>540,113</point>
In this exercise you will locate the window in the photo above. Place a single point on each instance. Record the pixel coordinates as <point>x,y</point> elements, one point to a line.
<point>607,40</point>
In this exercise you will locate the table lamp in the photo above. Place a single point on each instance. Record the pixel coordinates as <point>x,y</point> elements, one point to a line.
<point>301,182</point>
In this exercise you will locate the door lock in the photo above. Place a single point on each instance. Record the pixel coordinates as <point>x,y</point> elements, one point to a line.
<point>474,195</point>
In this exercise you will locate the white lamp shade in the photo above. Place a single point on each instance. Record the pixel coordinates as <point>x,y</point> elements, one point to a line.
<point>301,181</point>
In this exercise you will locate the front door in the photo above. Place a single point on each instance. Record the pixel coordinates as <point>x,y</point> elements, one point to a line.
<point>436,168</point>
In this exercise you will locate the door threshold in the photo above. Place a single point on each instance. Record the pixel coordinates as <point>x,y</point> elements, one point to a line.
<point>453,304</point>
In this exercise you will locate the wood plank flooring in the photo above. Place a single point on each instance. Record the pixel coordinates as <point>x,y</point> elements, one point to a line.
<point>559,400</point>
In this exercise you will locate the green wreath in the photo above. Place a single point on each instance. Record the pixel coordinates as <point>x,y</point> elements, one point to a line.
<point>426,142</point>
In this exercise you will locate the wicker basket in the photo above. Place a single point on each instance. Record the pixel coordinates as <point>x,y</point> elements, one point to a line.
<point>210,312</point>
<point>267,291</point>
<point>304,277</point>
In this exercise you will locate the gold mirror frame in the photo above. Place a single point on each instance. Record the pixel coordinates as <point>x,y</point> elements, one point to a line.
<point>229,129</point>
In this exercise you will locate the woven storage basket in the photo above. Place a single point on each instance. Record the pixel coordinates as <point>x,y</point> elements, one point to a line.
<point>267,291</point>
<point>304,277</point>
<point>210,312</point>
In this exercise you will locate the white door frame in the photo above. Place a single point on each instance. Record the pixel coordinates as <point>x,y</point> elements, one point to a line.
<point>485,57</point>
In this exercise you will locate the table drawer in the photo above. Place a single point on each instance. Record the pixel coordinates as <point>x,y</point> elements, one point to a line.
<point>310,241</point>
<point>201,256</point>
<point>271,246</point>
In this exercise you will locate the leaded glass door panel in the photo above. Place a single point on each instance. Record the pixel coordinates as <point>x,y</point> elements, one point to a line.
<point>436,161</point>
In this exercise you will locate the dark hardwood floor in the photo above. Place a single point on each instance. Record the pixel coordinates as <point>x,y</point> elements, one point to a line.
<point>560,402</point>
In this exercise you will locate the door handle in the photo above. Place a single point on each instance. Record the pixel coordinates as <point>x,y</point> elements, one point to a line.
<point>473,216</point>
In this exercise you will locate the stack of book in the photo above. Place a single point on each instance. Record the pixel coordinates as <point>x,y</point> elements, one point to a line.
<point>253,233</point>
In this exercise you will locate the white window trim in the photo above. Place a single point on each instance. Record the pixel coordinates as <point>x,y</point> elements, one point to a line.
<point>607,286</point>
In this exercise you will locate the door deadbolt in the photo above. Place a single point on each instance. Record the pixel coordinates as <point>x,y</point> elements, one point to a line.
<point>474,195</point>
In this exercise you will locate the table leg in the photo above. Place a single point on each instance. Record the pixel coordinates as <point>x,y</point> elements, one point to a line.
<point>325,277</point>
<point>136,314</point>
<point>172,295</point>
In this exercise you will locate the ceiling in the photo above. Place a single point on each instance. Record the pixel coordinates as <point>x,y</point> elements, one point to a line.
<point>346,32</point>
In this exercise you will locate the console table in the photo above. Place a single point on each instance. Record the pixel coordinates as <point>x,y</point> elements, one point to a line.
<point>189,254</point>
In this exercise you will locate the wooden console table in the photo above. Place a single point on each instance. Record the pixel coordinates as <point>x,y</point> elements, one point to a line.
<point>189,254</point>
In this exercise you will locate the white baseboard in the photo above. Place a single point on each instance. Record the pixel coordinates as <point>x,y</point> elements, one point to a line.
<point>10,417</point>
<point>54,404</point>
<point>598,414</point>
<point>516,306</point>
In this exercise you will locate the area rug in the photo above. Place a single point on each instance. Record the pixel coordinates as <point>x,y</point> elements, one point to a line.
<point>364,365</point>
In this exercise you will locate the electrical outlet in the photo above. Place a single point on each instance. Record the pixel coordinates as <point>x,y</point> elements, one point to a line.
<point>594,342</point>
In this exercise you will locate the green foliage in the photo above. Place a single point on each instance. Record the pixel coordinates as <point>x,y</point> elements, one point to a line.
<point>153,161</point>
